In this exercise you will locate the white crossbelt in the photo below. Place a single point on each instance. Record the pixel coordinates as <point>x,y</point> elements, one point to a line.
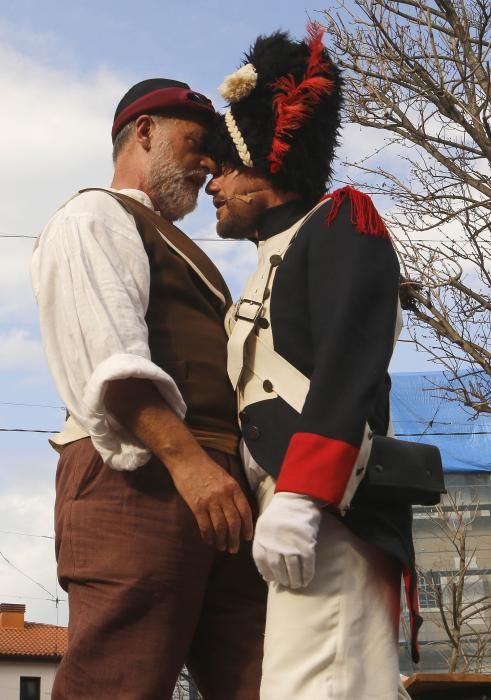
<point>268,365</point>
<point>247,311</point>
<point>260,358</point>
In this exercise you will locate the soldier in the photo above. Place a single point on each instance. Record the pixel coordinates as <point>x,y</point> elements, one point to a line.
<point>311,340</point>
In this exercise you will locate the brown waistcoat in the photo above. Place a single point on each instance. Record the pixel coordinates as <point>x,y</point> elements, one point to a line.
<point>187,339</point>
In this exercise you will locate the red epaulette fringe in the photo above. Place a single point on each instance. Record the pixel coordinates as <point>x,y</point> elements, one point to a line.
<point>364,216</point>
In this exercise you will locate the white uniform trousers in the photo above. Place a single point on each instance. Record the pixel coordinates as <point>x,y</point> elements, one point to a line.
<point>336,639</point>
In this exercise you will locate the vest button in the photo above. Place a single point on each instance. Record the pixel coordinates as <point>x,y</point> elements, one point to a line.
<point>268,386</point>
<point>244,417</point>
<point>276,260</point>
<point>253,432</point>
<point>263,322</point>
<point>267,293</point>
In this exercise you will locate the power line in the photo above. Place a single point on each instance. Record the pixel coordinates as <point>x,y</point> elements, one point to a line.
<point>411,240</point>
<point>23,573</point>
<point>400,420</point>
<point>30,597</point>
<point>423,434</point>
<point>443,553</point>
<point>426,434</point>
<point>27,534</point>
<point>442,536</point>
<point>425,422</point>
<point>15,235</point>
<point>34,405</point>
<point>231,240</point>
<point>28,430</point>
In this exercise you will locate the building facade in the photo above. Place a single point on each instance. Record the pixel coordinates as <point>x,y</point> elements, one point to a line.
<point>29,655</point>
<point>453,554</point>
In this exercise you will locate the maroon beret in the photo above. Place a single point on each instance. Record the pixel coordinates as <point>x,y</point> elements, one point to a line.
<point>157,94</point>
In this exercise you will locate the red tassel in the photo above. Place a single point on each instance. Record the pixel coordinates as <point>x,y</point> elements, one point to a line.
<point>364,216</point>
<point>415,620</point>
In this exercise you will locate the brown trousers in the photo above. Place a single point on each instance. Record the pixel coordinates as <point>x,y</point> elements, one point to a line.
<point>146,595</point>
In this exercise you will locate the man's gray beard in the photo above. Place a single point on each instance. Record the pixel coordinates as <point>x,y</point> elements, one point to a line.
<point>172,192</point>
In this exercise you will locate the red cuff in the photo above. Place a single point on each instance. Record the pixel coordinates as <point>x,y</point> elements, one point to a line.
<point>317,466</point>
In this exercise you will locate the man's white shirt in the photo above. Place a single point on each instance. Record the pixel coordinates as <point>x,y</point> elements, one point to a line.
<point>91,279</point>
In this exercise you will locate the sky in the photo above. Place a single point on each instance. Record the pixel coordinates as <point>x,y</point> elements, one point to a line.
<point>63,68</point>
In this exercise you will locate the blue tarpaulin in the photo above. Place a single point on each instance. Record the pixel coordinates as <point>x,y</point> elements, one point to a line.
<point>422,412</point>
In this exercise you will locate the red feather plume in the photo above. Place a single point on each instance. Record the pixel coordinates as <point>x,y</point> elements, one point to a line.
<point>293,103</point>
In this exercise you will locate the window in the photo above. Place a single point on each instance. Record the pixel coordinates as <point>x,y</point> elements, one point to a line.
<point>428,583</point>
<point>30,688</point>
<point>471,563</point>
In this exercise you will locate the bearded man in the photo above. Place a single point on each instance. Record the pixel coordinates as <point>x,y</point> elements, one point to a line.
<point>310,344</point>
<point>153,522</point>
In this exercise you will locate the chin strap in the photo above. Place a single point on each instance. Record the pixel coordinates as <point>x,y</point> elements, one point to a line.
<point>246,197</point>
<point>242,197</point>
<point>248,310</point>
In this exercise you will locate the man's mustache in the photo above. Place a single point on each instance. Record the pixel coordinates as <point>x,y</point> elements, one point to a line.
<point>198,177</point>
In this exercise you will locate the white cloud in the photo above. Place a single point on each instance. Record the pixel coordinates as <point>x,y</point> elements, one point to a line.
<point>47,46</point>
<point>20,350</point>
<point>55,137</point>
<point>54,140</point>
<point>27,481</point>
<point>17,299</point>
<point>28,572</point>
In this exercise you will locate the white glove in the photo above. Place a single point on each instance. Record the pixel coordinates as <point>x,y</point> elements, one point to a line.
<point>285,539</point>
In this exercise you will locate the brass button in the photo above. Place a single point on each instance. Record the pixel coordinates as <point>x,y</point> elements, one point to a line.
<point>253,432</point>
<point>244,417</point>
<point>276,260</point>
<point>263,322</point>
<point>268,386</point>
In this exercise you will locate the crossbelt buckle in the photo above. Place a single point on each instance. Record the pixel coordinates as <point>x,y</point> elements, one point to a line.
<point>247,310</point>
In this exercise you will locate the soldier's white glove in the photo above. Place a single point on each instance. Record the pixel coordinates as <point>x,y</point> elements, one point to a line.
<point>285,539</point>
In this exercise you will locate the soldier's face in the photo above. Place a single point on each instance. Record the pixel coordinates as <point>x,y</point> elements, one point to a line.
<point>240,198</point>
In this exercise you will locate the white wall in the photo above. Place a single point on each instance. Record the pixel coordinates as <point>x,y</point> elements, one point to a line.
<point>11,671</point>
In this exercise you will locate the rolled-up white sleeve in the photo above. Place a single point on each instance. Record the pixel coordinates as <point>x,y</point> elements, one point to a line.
<point>91,278</point>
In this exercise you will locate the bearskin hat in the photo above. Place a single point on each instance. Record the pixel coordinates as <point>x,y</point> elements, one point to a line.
<point>284,113</point>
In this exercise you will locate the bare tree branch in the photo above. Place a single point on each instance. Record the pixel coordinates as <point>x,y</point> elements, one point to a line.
<point>419,72</point>
<point>463,616</point>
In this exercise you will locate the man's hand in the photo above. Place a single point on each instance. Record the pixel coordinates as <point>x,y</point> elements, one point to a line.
<point>285,540</point>
<point>215,498</point>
